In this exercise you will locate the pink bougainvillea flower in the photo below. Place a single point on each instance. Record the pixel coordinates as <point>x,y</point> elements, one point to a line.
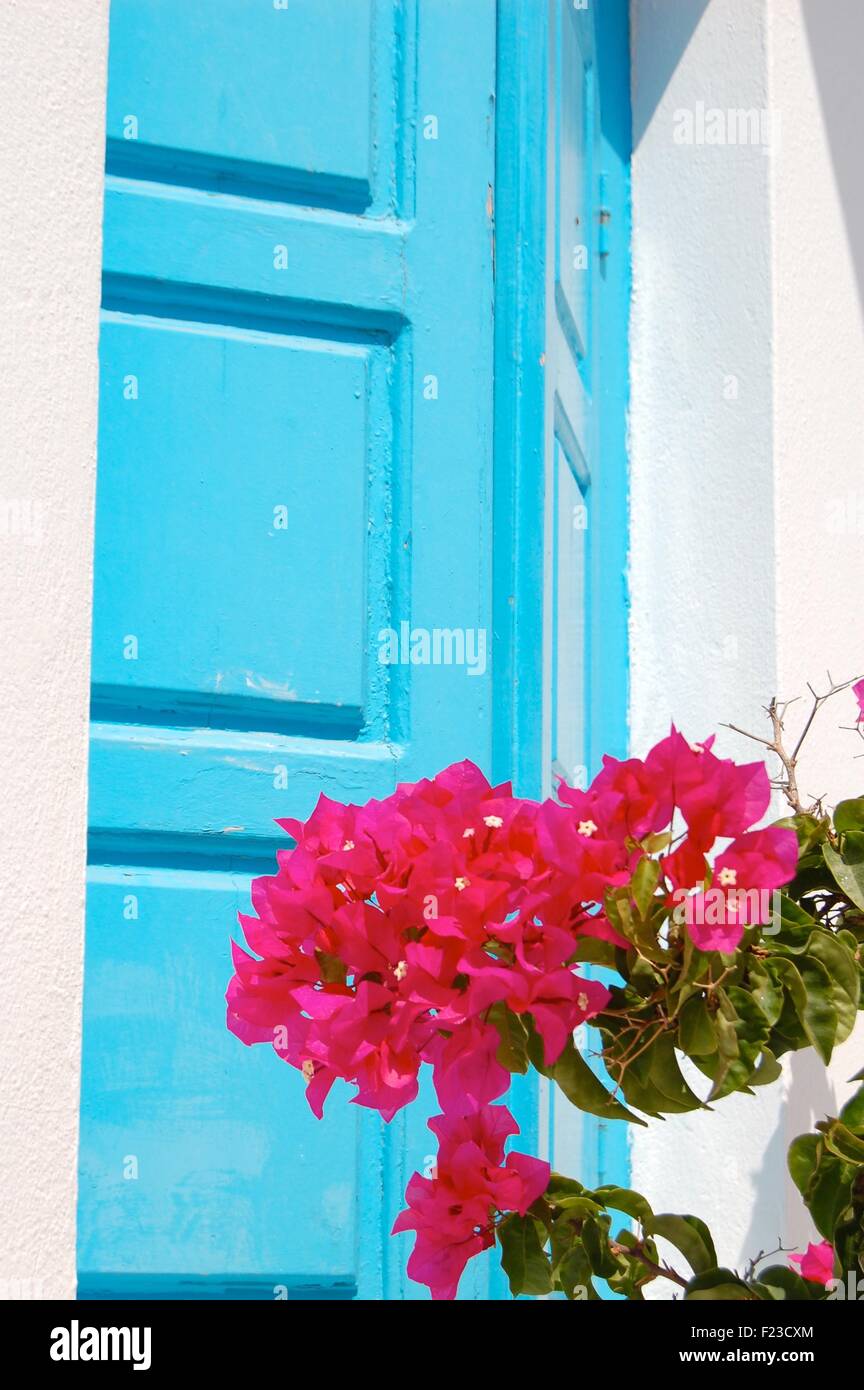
<point>466,1070</point>
<point>741,894</point>
<point>558,1000</point>
<point>817,1262</point>
<point>712,923</point>
<point>858,692</point>
<point>760,859</point>
<point>368,1037</point>
<point>686,866</point>
<point>454,1212</point>
<point>625,799</point>
<point>451,1229</point>
<point>261,997</point>
<point>390,929</point>
<point>362,930</point>
<point>717,797</point>
<point>572,840</point>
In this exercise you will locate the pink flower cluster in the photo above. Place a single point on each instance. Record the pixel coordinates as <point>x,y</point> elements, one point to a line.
<point>396,932</point>
<point>453,1212</point>
<point>392,929</point>
<point>715,798</point>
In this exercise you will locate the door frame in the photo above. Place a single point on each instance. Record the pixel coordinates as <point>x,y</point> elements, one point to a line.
<point>520,600</point>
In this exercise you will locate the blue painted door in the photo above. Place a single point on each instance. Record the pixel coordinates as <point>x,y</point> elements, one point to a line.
<point>298,409</point>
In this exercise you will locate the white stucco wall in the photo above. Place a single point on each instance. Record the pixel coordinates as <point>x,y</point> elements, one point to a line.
<point>746,434</point>
<point>814,55</point>
<point>746,429</point>
<point>51,155</point>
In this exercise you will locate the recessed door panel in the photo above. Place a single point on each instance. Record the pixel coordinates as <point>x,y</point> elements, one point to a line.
<point>232,531</point>
<point>248,89</point>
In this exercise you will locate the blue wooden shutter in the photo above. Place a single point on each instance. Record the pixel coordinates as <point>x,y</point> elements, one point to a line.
<point>306,207</point>
<point>295,455</point>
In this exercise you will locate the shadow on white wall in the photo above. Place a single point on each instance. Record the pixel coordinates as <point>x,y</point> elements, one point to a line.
<point>835,38</point>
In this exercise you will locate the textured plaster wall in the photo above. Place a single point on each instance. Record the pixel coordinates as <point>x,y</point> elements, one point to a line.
<point>702,549</point>
<point>815,54</point>
<point>747,448</point>
<point>51,143</point>
<point>747,480</point>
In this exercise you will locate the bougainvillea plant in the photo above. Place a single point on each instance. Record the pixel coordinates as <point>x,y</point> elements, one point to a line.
<point>456,926</point>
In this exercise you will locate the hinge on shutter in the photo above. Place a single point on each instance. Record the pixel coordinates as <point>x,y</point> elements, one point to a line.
<point>604,216</point>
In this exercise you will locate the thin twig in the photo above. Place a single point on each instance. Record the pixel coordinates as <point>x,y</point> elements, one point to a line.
<point>765,1255</point>
<point>776,711</point>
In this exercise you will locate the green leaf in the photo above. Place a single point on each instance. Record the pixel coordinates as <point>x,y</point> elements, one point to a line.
<point>696,1033</point>
<point>573,1273</point>
<point>788,1033</point>
<point>786,1285</point>
<point>803,1160</point>
<point>796,924</point>
<point>643,975</point>
<point>849,815</point>
<point>765,990</point>
<point>626,1200</point>
<point>592,951</point>
<point>848,875</point>
<point>720,1285</point>
<point>848,1242</point>
<point>655,844</point>
<point>820,1017</point>
<point>742,1032</point>
<point>653,1081</point>
<point>694,964</point>
<point>768,1069</point>
<point>579,1084</point>
<point>595,1238</point>
<point>843,977</point>
<point>513,1048</point>
<point>561,1186</point>
<point>852,1113</point>
<point>842,1142</point>
<point>666,1075</point>
<point>853,946</point>
<point>620,911</point>
<point>644,884</point>
<point>333,970</point>
<point>577,1207</point>
<point>812,1002</point>
<point>830,1193</point>
<point>811,830</point>
<point>523,1258</point>
<point>689,1235</point>
<point>632,1273</point>
<point>728,1056</point>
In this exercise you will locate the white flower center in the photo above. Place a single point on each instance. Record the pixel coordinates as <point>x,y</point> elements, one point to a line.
<point>587,828</point>
<point>401,970</point>
<point>582,1001</point>
<point>493,821</point>
<point>466,834</point>
<point>728,877</point>
<point>308,1069</point>
<point>460,884</point>
<point>349,844</point>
